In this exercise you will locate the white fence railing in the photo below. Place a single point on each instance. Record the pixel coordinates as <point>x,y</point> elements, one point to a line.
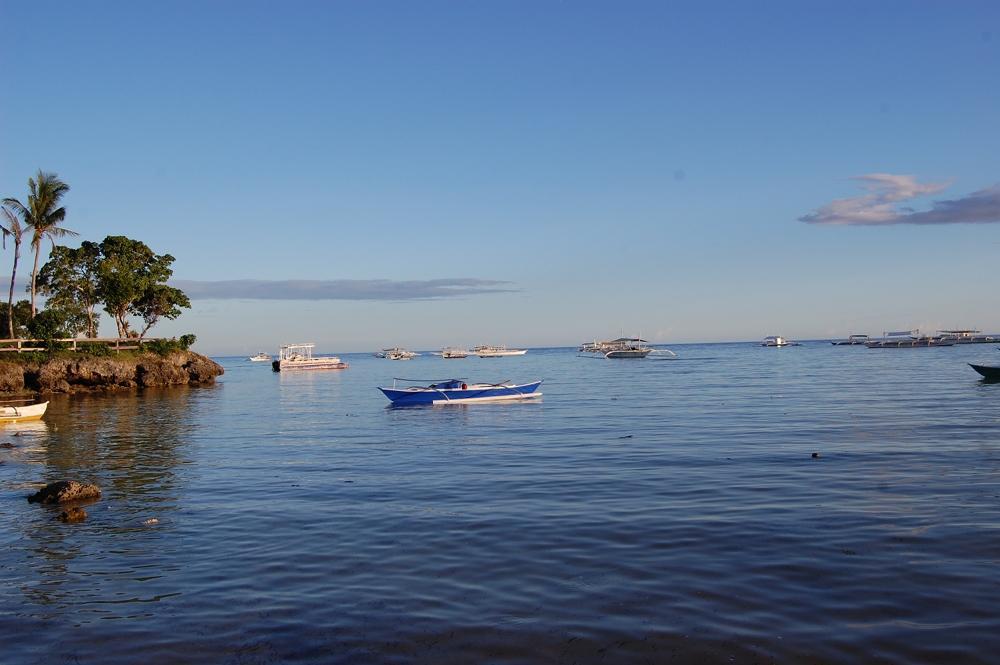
<point>74,343</point>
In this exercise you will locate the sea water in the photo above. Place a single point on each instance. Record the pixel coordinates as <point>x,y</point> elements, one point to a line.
<point>739,504</point>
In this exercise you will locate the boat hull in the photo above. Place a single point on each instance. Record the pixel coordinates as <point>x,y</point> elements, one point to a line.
<point>477,393</point>
<point>908,344</point>
<point>987,372</point>
<point>16,414</point>
<point>628,353</point>
<point>501,354</point>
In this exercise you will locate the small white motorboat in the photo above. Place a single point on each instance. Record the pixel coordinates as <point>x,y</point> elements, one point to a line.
<point>260,358</point>
<point>16,414</point>
<point>777,340</point>
<point>452,353</point>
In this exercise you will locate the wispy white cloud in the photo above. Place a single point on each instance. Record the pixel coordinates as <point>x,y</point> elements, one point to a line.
<point>881,206</point>
<point>340,289</point>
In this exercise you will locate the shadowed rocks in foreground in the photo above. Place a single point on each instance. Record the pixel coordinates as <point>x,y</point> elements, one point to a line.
<point>65,491</point>
<point>89,374</point>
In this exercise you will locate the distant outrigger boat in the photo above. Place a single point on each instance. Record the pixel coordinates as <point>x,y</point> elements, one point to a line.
<point>456,391</point>
<point>621,348</point>
<point>261,357</point>
<point>396,353</point>
<point>16,414</point>
<point>908,339</point>
<point>969,336</point>
<point>777,341</point>
<point>489,351</point>
<point>853,340</point>
<point>452,353</point>
<point>300,357</point>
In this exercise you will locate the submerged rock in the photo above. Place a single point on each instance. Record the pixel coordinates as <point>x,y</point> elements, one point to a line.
<point>64,491</point>
<point>74,514</point>
<point>6,445</point>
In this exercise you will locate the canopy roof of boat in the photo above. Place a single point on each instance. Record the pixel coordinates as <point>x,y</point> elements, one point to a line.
<point>630,339</point>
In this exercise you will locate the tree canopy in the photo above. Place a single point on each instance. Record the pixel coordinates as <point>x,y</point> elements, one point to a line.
<point>69,281</point>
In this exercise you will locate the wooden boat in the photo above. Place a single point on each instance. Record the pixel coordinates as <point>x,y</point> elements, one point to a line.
<point>300,357</point>
<point>457,391</point>
<point>988,373</point>
<point>16,414</point>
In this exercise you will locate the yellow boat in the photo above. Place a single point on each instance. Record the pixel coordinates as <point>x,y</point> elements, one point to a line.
<point>16,414</point>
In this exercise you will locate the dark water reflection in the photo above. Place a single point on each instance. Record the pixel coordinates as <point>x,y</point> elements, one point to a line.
<point>641,512</point>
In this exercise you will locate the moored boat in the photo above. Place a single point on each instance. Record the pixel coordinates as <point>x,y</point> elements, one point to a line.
<point>260,357</point>
<point>396,353</point>
<point>777,340</point>
<point>969,336</point>
<point>15,414</point>
<point>452,353</point>
<point>987,372</point>
<point>491,351</point>
<point>852,340</point>
<point>621,348</point>
<point>457,391</point>
<point>908,339</point>
<point>300,357</point>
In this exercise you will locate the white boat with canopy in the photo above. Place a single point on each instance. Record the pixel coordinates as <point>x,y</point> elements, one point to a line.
<point>300,356</point>
<point>396,353</point>
<point>491,351</point>
<point>621,348</point>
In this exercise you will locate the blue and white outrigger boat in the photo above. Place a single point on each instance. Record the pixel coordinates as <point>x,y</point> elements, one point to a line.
<point>457,391</point>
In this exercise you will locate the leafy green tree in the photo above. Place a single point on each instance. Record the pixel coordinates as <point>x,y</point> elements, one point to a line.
<point>131,281</point>
<point>15,319</point>
<point>160,301</point>
<point>13,229</point>
<point>43,215</point>
<point>69,280</point>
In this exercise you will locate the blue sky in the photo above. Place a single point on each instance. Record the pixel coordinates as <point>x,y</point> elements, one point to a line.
<point>593,167</point>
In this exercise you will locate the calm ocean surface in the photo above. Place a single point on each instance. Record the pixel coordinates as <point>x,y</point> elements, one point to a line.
<point>641,512</point>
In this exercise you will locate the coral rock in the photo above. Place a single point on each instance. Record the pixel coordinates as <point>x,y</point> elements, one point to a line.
<point>64,491</point>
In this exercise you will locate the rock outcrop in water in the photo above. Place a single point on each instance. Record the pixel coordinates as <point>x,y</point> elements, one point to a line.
<point>64,491</point>
<point>87,373</point>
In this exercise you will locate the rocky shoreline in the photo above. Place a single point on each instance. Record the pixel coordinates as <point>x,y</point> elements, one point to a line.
<point>94,374</point>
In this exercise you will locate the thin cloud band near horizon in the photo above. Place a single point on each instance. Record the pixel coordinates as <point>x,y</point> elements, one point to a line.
<point>341,289</point>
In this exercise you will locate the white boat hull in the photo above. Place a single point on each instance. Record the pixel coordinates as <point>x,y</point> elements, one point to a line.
<point>498,398</point>
<point>14,414</point>
<point>315,363</point>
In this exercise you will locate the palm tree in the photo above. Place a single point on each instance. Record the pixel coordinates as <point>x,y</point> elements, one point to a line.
<point>15,230</point>
<point>43,214</point>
